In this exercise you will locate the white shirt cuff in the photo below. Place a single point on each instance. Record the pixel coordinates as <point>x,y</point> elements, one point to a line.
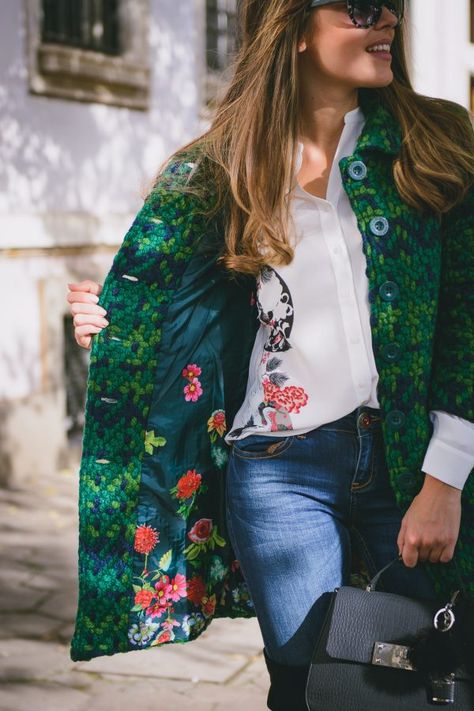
<point>450,453</point>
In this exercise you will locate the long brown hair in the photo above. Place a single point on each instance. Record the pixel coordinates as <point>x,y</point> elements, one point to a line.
<point>247,154</point>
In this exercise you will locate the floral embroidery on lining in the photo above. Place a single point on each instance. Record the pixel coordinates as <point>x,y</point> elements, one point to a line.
<point>193,390</point>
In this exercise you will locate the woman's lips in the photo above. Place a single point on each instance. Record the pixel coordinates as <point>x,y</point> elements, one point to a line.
<point>381,55</point>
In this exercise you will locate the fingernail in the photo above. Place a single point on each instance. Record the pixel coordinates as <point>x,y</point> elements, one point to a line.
<point>95,298</point>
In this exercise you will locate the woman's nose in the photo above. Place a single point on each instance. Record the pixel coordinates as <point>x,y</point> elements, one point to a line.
<point>387,18</point>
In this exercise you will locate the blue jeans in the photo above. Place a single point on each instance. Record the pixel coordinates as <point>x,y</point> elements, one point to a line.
<point>296,506</point>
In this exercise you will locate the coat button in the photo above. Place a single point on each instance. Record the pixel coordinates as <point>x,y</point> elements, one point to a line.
<point>408,483</point>
<point>357,170</point>
<point>391,351</point>
<point>379,226</point>
<point>395,418</point>
<point>389,290</point>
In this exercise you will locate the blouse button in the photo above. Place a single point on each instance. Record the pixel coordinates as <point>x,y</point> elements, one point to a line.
<point>379,226</point>
<point>357,170</point>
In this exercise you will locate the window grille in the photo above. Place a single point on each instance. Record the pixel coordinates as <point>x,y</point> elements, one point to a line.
<point>221,33</point>
<point>88,24</point>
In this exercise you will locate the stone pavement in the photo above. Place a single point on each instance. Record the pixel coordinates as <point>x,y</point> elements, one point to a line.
<point>222,669</point>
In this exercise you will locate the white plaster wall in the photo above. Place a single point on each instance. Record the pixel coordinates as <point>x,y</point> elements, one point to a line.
<point>67,156</point>
<point>443,57</point>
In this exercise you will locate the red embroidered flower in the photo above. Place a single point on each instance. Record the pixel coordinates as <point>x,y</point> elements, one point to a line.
<point>208,606</point>
<point>146,539</point>
<point>144,598</point>
<point>165,636</point>
<point>191,371</point>
<point>217,423</point>
<point>289,398</point>
<point>177,587</point>
<point>188,484</point>
<point>235,565</point>
<point>196,589</point>
<point>193,390</point>
<point>201,531</point>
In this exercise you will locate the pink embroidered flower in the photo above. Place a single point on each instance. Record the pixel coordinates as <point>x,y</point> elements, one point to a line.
<point>193,390</point>
<point>201,531</point>
<point>157,609</point>
<point>146,539</point>
<point>144,598</point>
<point>217,423</point>
<point>177,587</point>
<point>163,589</point>
<point>188,484</point>
<point>196,589</point>
<point>169,624</point>
<point>191,371</point>
<point>289,398</point>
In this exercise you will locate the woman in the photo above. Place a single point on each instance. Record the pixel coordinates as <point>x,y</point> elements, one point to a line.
<point>299,277</point>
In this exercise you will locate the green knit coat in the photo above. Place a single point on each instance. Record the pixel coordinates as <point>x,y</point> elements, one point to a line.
<point>168,374</point>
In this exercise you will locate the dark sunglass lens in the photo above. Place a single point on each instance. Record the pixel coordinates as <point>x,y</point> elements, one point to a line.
<point>365,12</point>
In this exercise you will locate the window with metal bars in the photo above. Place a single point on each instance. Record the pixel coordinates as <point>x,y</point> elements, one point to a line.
<point>87,24</point>
<point>221,33</point>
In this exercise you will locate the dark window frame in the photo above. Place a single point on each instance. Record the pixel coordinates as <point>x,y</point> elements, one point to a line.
<point>86,24</point>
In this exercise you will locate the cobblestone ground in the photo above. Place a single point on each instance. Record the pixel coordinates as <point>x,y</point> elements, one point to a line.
<point>223,669</point>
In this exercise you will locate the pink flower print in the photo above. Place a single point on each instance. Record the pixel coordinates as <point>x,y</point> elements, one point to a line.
<point>191,371</point>
<point>169,624</point>
<point>290,398</point>
<point>157,609</point>
<point>177,587</point>
<point>163,589</point>
<point>193,390</point>
<point>201,531</point>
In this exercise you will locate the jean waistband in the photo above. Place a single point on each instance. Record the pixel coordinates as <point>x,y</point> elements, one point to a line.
<point>362,418</point>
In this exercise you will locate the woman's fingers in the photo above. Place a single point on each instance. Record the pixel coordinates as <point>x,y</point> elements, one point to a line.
<point>87,308</point>
<point>82,334</point>
<point>96,320</point>
<point>87,285</point>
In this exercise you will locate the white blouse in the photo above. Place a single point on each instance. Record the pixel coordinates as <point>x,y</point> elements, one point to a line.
<point>314,338</point>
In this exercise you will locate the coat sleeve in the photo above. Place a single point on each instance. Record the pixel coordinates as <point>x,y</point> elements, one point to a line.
<point>452,372</point>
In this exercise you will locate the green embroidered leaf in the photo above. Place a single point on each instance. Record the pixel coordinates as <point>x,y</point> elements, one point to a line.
<point>152,441</point>
<point>136,608</point>
<point>137,588</point>
<point>165,560</point>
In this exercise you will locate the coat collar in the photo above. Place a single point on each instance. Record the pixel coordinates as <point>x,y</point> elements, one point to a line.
<point>381,130</point>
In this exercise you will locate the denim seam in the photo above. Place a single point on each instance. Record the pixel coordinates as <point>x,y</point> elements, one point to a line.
<point>359,487</point>
<point>242,454</point>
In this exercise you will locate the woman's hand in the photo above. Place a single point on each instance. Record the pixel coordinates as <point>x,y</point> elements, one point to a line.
<point>430,527</point>
<point>88,316</point>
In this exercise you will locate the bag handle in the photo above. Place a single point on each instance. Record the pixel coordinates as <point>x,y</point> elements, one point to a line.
<point>371,585</point>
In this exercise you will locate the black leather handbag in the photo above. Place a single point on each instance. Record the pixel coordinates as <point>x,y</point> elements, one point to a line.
<point>365,656</point>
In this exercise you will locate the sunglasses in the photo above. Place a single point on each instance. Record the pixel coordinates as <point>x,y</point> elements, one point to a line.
<point>365,13</point>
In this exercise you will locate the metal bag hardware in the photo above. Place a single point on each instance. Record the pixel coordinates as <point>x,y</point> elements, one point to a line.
<point>391,655</point>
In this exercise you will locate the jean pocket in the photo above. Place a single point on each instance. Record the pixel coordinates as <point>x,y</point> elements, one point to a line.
<point>261,446</point>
